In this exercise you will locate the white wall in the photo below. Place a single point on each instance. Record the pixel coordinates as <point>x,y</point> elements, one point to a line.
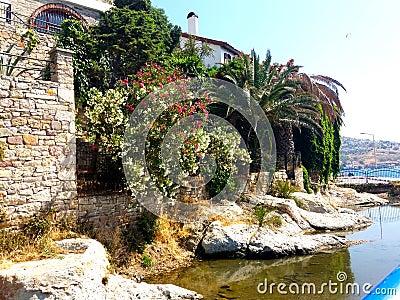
<point>92,4</point>
<point>217,53</point>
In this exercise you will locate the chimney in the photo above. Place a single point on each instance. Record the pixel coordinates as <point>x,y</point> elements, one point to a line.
<point>193,24</point>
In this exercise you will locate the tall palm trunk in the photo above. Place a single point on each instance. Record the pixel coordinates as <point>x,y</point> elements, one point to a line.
<point>284,144</point>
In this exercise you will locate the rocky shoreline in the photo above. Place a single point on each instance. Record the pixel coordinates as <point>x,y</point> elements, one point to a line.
<point>79,276</point>
<point>308,223</point>
<point>298,233</point>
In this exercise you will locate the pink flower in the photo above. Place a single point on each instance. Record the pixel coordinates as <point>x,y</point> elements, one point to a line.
<point>124,81</point>
<point>141,85</point>
<point>94,147</point>
<point>130,107</point>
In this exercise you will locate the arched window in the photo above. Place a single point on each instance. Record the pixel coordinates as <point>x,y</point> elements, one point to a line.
<point>48,18</point>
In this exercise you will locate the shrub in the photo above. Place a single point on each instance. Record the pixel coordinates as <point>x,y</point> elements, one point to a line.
<point>274,220</point>
<point>38,226</point>
<point>146,261</point>
<point>306,180</point>
<point>140,233</point>
<point>283,189</point>
<point>260,212</point>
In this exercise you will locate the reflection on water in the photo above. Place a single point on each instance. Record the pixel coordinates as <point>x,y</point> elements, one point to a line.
<point>372,261</point>
<point>238,279</point>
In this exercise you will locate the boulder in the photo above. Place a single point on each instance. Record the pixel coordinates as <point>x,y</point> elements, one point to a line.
<point>82,275</point>
<point>314,202</point>
<point>344,220</point>
<point>343,197</point>
<point>227,240</point>
<point>327,218</point>
<point>241,240</point>
<point>266,245</point>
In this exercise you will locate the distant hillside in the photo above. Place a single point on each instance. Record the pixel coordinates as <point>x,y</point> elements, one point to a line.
<point>359,153</point>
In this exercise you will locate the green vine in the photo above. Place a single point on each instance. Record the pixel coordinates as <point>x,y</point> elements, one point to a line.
<point>306,180</point>
<point>31,40</point>
<point>320,153</point>
<point>8,64</point>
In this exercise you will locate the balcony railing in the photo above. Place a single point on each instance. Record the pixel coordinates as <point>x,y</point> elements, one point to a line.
<point>16,65</point>
<point>44,23</point>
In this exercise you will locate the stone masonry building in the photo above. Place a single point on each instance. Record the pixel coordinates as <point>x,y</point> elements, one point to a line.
<point>37,117</point>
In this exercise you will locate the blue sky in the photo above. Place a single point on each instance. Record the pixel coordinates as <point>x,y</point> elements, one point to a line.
<point>356,42</point>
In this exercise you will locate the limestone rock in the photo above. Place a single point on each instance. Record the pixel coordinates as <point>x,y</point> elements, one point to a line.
<point>350,197</point>
<point>335,221</point>
<point>228,240</point>
<point>241,240</point>
<point>79,276</point>
<point>122,288</point>
<point>267,245</point>
<point>314,202</point>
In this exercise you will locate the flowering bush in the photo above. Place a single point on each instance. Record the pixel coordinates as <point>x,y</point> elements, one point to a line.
<point>106,119</point>
<point>108,114</point>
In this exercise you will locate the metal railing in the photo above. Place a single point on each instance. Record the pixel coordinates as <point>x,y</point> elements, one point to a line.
<point>370,175</point>
<point>37,67</point>
<point>40,24</point>
<point>10,17</point>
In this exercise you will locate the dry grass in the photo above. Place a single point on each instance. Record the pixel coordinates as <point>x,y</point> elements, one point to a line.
<point>157,253</point>
<point>34,240</point>
<point>164,254</point>
<point>171,234</point>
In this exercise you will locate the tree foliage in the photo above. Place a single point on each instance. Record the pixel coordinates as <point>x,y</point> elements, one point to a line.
<point>278,91</point>
<point>126,37</point>
<point>320,153</point>
<point>131,37</point>
<point>89,63</point>
<point>309,103</point>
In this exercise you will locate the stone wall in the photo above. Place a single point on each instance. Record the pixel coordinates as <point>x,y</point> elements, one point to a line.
<point>27,7</point>
<point>106,211</point>
<point>37,140</point>
<point>37,132</point>
<point>11,35</point>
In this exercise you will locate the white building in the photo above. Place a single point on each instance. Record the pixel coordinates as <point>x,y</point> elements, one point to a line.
<point>222,51</point>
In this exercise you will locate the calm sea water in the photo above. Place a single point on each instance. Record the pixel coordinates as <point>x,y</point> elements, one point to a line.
<point>370,172</point>
<point>359,265</point>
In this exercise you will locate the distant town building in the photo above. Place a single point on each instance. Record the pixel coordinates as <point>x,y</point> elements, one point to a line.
<point>221,51</point>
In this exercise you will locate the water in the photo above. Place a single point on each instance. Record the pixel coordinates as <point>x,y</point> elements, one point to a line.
<point>363,264</point>
<point>370,172</point>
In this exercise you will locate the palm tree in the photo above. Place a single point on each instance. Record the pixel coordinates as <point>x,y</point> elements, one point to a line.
<point>289,98</point>
<point>326,90</point>
<point>278,91</point>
